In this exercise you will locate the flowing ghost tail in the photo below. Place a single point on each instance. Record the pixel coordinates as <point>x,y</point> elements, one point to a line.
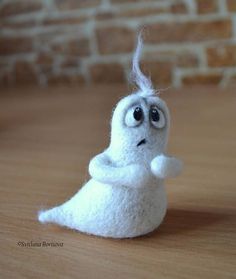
<point>125,196</point>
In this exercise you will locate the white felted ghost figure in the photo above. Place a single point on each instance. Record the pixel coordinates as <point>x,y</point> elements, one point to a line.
<point>125,196</point>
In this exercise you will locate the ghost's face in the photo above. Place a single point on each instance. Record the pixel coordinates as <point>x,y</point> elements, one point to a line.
<point>139,129</point>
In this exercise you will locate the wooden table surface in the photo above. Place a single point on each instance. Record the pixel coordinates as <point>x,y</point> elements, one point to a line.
<point>47,138</point>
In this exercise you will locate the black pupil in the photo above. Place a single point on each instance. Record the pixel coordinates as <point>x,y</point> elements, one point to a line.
<point>138,114</point>
<point>155,115</point>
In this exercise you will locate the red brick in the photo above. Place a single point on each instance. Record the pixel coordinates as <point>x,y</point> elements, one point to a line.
<point>75,4</point>
<point>191,31</point>
<point>202,79</point>
<point>13,45</point>
<point>63,79</point>
<point>59,48</point>
<point>222,56</point>
<point>207,6</point>
<point>44,58</point>
<point>115,40</point>
<point>107,73</point>
<point>146,11</point>
<point>63,21</point>
<point>159,71</point>
<point>24,73</point>
<point>186,60</point>
<point>20,7</point>
<point>178,8</point>
<point>130,13</point>
<point>18,25</point>
<point>75,47</point>
<point>231,5</point>
<point>104,15</point>
<point>45,61</point>
<point>70,62</point>
<point>78,47</point>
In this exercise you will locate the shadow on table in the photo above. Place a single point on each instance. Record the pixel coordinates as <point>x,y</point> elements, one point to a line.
<point>180,221</point>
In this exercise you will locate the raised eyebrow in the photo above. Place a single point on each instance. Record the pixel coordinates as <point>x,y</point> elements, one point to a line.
<point>138,103</point>
<point>156,105</point>
<point>155,102</point>
<point>134,104</point>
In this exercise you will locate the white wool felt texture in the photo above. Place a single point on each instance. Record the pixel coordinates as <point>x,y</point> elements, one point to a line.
<point>143,82</point>
<point>166,167</point>
<point>125,196</point>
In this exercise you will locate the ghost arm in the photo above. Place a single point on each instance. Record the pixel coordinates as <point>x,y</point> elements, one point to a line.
<point>164,166</point>
<point>102,170</point>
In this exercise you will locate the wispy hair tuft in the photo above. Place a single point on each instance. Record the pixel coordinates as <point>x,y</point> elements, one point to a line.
<point>144,83</point>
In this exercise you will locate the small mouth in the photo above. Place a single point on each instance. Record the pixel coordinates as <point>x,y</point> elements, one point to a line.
<point>143,141</point>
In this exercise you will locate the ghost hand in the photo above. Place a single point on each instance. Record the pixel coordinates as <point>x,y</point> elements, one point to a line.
<point>164,166</point>
<point>102,170</point>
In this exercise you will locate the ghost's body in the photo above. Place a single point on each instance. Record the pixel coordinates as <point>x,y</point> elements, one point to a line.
<point>125,196</point>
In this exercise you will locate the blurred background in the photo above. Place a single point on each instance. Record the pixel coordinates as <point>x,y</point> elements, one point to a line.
<point>52,122</point>
<point>50,42</point>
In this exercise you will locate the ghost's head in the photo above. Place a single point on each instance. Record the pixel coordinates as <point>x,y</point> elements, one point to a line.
<point>140,121</point>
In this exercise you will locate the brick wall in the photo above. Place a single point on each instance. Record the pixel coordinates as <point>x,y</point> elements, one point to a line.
<point>51,42</point>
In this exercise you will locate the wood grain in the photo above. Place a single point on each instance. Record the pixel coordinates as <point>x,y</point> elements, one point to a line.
<point>46,140</point>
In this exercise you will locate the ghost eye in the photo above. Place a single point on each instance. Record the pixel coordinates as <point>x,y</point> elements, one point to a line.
<point>134,117</point>
<point>157,117</point>
<point>138,114</point>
